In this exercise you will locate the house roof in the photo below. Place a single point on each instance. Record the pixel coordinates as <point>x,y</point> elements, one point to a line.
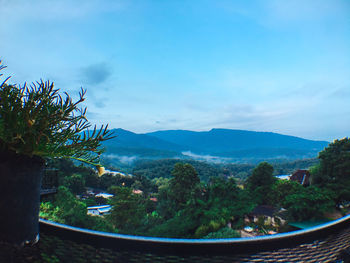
<point>308,224</point>
<point>301,176</point>
<point>98,207</point>
<point>263,210</point>
<point>104,195</point>
<point>104,210</point>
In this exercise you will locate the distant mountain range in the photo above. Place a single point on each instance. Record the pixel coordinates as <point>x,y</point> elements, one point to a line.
<point>213,145</point>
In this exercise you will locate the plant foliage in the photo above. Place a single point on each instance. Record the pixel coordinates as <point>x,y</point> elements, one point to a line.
<point>38,120</point>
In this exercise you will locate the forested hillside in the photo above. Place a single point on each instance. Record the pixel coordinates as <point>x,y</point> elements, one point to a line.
<point>163,168</point>
<point>216,145</point>
<point>221,141</point>
<point>181,202</point>
<point>170,198</point>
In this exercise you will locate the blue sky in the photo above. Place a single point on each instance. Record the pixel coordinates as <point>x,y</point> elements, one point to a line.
<point>280,66</point>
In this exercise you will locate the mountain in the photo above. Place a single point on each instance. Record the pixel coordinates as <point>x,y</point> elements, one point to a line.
<point>129,143</point>
<point>226,140</point>
<point>129,139</point>
<point>233,145</point>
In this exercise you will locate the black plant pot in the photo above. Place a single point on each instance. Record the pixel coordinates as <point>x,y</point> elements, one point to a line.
<point>20,182</point>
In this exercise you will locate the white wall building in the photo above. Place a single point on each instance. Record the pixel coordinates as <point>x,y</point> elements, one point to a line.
<point>100,210</point>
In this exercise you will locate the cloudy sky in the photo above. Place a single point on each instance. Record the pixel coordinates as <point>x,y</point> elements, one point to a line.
<point>281,66</point>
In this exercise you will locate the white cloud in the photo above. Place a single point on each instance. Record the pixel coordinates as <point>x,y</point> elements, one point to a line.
<point>207,158</point>
<point>122,158</point>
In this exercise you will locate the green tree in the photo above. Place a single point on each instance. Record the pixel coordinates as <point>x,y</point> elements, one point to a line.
<point>281,189</point>
<point>166,205</point>
<point>106,180</point>
<point>175,193</point>
<point>91,179</point>
<point>182,225</point>
<point>50,212</point>
<point>99,224</point>
<point>128,210</point>
<point>66,209</point>
<point>259,184</point>
<point>224,232</point>
<point>75,183</point>
<point>226,200</point>
<point>335,160</point>
<point>184,181</point>
<point>206,209</point>
<point>69,210</point>
<point>334,170</point>
<point>222,202</point>
<point>308,203</point>
<point>144,184</point>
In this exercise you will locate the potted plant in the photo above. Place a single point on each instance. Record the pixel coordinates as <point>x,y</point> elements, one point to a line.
<point>36,122</point>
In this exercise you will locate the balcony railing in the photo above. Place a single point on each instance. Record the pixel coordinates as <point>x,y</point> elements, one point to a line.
<point>329,242</point>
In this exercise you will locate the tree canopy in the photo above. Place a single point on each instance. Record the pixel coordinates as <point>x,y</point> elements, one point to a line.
<point>333,171</point>
<point>260,182</point>
<point>183,206</point>
<point>308,203</point>
<point>128,209</point>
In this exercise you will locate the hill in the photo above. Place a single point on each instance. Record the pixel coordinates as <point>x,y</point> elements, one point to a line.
<point>216,145</point>
<point>128,143</point>
<point>226,140</point>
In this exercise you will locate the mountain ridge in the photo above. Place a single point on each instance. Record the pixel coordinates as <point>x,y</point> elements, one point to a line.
<point>218,140</point>
<point>215,142</point>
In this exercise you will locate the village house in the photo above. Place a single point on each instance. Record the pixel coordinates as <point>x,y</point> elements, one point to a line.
<point>104,195</point>
<point>302,177</point>
<point>137,191</point>
<point>100,210</point>
<point>267,214</point>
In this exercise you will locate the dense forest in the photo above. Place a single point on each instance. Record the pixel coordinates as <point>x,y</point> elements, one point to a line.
<point>162,168</point>
<point>199,200</point>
